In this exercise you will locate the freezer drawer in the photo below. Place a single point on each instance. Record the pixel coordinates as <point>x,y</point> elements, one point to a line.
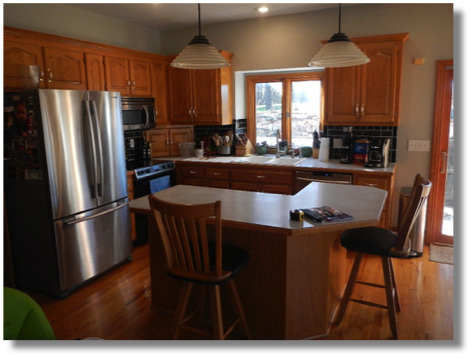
<point>92,242</point>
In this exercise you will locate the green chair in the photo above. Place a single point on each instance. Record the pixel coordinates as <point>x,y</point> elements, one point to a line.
<point>23,319</point>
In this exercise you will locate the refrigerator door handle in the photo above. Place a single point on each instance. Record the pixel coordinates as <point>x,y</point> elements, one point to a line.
<point>75,221</point>
<point>92,144</point>
<point>100,164</point>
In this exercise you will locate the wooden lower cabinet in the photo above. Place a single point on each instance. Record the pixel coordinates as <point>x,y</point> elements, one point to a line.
<point>130,175</point>
<point>381,182</point>
<point>227,177</point>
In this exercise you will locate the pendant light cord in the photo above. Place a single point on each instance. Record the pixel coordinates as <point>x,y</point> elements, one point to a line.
<point>199,18</point>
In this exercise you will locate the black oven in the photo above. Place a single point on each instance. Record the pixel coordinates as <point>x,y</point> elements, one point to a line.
<point>138,113</point>
<point>149,180</point>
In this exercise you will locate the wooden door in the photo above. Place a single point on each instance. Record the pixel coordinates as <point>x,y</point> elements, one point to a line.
<point>65,69</point>
<point>176,136</point>
<point>18,54</point>
<point>158,86</point>
<point>117,75</point>
<point>206,97</point>
<point>180,99</point>
<point>95,72</point>
<point>343,95</point>
<point>440,215</point>
<point>378,83</point>
<point>140,78</point>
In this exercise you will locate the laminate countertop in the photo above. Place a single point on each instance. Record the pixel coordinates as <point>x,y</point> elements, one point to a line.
<point>309,164</point>
<point>271,211</point>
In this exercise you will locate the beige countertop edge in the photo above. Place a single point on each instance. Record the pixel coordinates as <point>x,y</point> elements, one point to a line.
<point>270,212</point>
<point>309,164</point>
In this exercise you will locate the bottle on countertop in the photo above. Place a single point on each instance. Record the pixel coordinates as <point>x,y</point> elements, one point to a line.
<point>316,144</point>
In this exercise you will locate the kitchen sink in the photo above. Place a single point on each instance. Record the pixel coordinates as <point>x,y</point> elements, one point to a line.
<point>252,160</point>
<point>284,161</point>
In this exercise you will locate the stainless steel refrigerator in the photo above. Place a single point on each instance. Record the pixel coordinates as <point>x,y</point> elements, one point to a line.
<point>66,189</point>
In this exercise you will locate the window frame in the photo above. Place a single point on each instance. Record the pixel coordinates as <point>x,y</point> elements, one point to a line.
<point>286,79</point>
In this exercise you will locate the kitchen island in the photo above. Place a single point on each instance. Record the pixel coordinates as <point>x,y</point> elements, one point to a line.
<point>292,285</point>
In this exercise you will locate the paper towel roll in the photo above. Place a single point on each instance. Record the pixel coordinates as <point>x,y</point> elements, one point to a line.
<point>324,150</point>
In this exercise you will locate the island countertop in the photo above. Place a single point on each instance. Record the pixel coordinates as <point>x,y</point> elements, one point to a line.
<point>297,269</point>
<point>271,211</point>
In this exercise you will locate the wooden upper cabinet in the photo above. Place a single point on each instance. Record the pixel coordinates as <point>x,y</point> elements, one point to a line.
<point>15,55</point>
<point>95,72</point>
<point>129,77</point>
<point>159,91</point>
<point>165,141</point>
<point>370,93</point>
<point>200,97</point>
<point>65,69</point>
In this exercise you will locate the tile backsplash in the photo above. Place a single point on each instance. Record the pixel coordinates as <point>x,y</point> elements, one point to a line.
<point>363,133</point>
<point>238,126</point>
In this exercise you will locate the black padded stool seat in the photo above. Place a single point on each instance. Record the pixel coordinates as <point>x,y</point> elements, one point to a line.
<point>385,243</point>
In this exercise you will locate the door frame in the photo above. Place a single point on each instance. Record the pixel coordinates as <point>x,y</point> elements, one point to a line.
<point>444,75</point>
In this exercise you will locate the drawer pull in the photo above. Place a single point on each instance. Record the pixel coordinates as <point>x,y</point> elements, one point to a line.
<point>369,184</point>
<point>260,176</point>
<point>193,172</point>
<point>216,174</point>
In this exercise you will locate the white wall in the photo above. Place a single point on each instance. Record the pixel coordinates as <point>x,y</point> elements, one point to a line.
<point>64,20</point>
<point>288,42</point>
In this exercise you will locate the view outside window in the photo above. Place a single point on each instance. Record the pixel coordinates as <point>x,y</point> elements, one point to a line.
<point>448,213</point>
<point>305,110</point>
<point>303,118</point>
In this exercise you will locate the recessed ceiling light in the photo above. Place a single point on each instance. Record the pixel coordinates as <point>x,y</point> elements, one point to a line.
<point>262,9</point>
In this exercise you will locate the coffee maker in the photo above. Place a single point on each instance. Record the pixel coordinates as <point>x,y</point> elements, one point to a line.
<point>378,153</point>
<point>347,143</point>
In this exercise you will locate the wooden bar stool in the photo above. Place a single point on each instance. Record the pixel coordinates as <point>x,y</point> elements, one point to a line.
<point>387,244</point>
<point>192,258</point>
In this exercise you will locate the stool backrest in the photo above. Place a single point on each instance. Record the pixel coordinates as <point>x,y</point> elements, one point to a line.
<point>184,235</point>
<point>420,191</point>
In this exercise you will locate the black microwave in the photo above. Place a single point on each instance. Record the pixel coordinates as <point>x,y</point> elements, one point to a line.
<point>138,113</point>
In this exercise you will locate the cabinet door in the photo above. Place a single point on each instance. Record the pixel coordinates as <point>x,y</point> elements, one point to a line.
<point>117,75</point>
<point>158,86</point>
<point>343,94</point>
<point>176,136</point>
<point>378,83</point>
<point>180,100</point>
<point>95,72</point>
<point>206,97</point>
<point>140,78</point>
<point>65,69</point>
<point>18,54</point>
<point>159,139</point>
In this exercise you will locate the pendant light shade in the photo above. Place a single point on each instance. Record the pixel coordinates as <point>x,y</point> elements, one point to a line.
<point>200,54</point>
<point>339,51</point>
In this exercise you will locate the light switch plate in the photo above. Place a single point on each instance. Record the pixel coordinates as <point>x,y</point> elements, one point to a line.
<point>419,145</point>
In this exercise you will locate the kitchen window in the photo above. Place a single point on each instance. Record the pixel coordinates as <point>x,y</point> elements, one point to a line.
<point>290,103</point>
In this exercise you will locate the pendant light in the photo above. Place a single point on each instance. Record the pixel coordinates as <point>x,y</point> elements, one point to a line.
<point>339,51</point>
<point>200,54</point>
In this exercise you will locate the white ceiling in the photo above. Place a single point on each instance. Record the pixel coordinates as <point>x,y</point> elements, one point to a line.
<point>165,16</point>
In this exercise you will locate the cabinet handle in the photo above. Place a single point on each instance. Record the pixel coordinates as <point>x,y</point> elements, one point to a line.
<point>133,83</point>
<point>194,111</point>
<point>171,141</point>
<point>42,75</point>
<point>192,172</point>
<point>167,141</point>
<point>216,174</point>
<point>369,184</point>
<point>357,109</point>
<point>190,110</point>
<point>128,82</point>
<point>362,109</point>
<point>260,176</point>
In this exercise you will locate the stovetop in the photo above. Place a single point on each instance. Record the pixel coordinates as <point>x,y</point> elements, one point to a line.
<point>153,170</point>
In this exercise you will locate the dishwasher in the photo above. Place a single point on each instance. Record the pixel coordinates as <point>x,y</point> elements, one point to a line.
<point>303,178</point>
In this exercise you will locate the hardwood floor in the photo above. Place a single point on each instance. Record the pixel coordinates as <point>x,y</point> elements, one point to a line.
<point>116,306</point>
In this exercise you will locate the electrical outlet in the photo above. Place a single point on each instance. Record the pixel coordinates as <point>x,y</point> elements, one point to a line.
<point>419,145</point>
